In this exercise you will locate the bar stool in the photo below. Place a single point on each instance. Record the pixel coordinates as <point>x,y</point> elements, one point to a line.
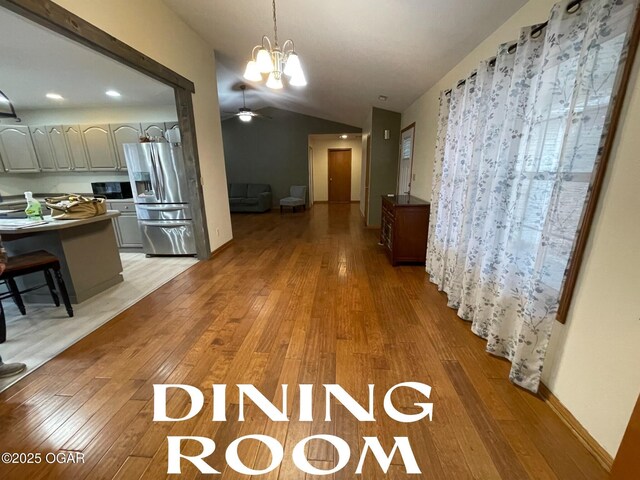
<point>19,265</point>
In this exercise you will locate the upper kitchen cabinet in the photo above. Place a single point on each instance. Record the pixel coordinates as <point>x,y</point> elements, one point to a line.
<point>124,133</point>
<point>75,147</point>
<point>16,150</point>
<point>153,129</point>
<point>59,146</point>
<point>44,150</point>
<point>100,149</point>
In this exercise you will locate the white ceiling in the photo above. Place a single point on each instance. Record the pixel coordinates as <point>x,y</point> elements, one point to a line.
<point>352,51</point>
<point>35,61</point>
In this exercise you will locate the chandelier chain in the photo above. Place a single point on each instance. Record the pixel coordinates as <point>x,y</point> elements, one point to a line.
<point>275,24</point>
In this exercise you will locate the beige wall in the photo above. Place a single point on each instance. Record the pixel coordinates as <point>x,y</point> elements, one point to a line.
<point>152,28</point>
<point>592,363</point>
<point>321,146</point>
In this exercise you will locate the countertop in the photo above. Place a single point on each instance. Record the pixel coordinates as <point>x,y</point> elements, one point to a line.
<point>59,224</point>
<point>18,201</point>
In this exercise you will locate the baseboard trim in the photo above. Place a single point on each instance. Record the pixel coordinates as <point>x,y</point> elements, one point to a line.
<point>220,249</point>
<point>590,443</point>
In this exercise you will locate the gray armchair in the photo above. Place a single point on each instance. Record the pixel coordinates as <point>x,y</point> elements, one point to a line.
<point>297,198</point>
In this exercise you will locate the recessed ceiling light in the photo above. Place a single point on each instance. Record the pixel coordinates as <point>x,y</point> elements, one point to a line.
<point>113,93</point>
<point>383,98</point>
<point>344,137</point>
<point>54,96</point>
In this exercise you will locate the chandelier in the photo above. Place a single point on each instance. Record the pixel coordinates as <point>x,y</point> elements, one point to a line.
<point>275,61</point>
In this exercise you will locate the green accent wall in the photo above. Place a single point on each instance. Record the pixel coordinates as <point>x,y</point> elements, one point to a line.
<point>384,159</point>
<point>273,151</point>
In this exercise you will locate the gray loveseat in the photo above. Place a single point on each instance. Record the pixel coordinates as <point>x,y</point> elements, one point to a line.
<point>249,197</point>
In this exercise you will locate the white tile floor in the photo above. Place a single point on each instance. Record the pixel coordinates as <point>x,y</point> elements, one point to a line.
<point>46,330</point>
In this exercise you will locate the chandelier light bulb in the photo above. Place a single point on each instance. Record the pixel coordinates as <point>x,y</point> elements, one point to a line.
<point>252,72</point>
<point>264,62</point>
<point>298,80</point>
<point>293,68</point>
<point>273,82</point>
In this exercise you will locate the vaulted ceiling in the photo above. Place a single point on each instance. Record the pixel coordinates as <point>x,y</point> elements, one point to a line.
<point>352,51</point>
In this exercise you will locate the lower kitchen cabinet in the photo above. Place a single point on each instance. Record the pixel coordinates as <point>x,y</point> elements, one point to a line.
<point>126,225</point>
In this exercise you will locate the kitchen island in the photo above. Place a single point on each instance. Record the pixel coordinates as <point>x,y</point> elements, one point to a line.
<point>87,250</point>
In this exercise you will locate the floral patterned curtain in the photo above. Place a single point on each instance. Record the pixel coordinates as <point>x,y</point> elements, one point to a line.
<point>517,146</point>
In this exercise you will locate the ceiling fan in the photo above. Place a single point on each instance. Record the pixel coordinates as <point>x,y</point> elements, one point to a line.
<point>246,114</point>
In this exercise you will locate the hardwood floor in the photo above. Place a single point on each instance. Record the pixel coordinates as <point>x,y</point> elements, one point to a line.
<point>298,298</point>
<point>46,331</point>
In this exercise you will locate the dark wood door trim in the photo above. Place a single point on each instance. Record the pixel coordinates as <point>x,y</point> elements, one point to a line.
<point>187,123</point>
<point>57,19</point>
<point>329,180</point>
<point>413,145</point>
<point>367,180</point>
<point>613,119</point>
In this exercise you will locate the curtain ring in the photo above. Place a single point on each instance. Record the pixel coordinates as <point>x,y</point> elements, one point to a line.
<point>537,30</point>
<point>574,6</point>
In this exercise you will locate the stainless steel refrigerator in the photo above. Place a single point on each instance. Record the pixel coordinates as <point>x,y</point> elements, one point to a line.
<point>160,192</point>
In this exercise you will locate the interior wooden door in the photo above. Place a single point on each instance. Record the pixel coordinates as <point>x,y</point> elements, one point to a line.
<point>627,463</point>
<point>340,176</point>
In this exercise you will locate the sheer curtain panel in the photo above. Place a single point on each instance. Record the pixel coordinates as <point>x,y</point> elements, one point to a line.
<point>518,144</point>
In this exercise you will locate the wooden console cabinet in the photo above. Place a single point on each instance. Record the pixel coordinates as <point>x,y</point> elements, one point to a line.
<point>404,228</point>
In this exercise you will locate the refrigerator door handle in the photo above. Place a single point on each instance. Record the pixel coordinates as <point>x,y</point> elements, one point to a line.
<point>163,208</point>
<point>154,172</point>
<point>160,224</point>
<point>161,178</point>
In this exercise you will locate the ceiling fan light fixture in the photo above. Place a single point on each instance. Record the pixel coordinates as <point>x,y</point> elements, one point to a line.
<point>245,117</point>
<point>274,81</point>
<point>252,72</point>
